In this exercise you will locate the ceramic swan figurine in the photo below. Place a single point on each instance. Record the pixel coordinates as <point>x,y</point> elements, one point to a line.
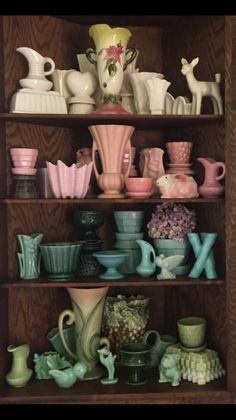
<point>67,377</point>
<point>167,264</point>
<point>200,89</point>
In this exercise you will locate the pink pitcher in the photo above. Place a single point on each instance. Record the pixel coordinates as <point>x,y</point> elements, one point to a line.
<point>211,187</point>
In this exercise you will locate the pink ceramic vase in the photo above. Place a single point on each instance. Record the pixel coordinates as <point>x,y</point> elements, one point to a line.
<point>111,142</point>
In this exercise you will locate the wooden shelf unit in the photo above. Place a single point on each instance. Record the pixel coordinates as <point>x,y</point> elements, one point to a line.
<point>28,310</point>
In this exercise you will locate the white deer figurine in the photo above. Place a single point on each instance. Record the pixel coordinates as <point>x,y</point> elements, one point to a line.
<point>200,89</point>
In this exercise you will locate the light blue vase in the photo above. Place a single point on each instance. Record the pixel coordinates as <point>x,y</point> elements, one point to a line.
<point>29,258</point>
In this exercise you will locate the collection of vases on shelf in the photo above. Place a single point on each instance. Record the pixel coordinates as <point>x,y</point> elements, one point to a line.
<point>109,79</point>
<point>77,356</point>
<point>111,164</point>
<point>171,228</point>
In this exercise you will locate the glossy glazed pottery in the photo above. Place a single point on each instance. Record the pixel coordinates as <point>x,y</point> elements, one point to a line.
<point>60,259</point>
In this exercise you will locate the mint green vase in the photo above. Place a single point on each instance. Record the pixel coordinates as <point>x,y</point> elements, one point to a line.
<point>29,258</point>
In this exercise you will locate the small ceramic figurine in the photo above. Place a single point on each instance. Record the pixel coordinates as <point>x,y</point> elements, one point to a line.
<point>108,360</point>
<point>67,377</point>
<point>170,369</point>
<point>46,361</point>
<point>200,89</point>
<point>177,186</point>
<point>167,264</point>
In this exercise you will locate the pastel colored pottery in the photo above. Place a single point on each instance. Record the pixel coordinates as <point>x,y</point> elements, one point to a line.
<point>192,331</point>
<point>46,361</point>
<point>60,259</point>
<point>54,337</point>
<point>72,182</point>
<point>170,369</point>
<point>36,79</point>
<point>87,315</point>
<point>129,221</point>
<point>156,90</point>
<point>19,374</point>
<point>108,360</point>
<point>147,265</point>
<point>139,185</point>
<point>159,345</point>
<point>211,186</point>
<point>141,100</point>
<point>200,89</point>
<point>81,84</point>
<point>111,260</point>
<point>112,57</point>
<point>59,82</point>
<point>169,247</point>
<point>179,151</point>
<point>29,258</point>
<point>177,186</point>
<point>111,179</point>
<point>66,378</point>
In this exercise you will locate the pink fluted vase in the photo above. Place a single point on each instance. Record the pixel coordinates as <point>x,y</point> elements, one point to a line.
<point>111,142</point>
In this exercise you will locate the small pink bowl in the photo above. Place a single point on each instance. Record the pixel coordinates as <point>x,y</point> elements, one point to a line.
<point>139,184</point>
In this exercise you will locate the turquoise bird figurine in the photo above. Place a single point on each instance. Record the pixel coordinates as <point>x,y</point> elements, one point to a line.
<point>67,377</point>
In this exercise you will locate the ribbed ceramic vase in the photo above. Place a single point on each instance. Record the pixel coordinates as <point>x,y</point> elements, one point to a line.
<point>29,258</point>
<point>111,142</point>
<point>87,315</point>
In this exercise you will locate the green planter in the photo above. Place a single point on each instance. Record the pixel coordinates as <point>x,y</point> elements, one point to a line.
<point>170,247</point>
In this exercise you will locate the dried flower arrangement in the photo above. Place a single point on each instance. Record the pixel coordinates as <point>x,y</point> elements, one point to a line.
<point>171,221</point>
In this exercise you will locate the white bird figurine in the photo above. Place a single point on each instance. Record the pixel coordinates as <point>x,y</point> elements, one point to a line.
<point>167,264</point>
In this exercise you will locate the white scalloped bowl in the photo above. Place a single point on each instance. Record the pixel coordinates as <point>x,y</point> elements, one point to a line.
<point>69,181</point>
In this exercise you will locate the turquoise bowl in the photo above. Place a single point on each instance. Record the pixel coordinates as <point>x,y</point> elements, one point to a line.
<point>111,260</point>
<point>60,259</point>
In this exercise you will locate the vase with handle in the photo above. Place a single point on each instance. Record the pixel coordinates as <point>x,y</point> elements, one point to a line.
<point>111,142</point>
<point>111,59</point>
<point>211,187</point>
<point>147,265</point>
<point>87,315</point>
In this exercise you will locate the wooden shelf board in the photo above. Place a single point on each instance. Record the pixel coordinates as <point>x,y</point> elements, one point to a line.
<point>93,392</point>
<point>128,280</point>
<point>95,200</point>
<point>114,20</point>
<point>139,121</point>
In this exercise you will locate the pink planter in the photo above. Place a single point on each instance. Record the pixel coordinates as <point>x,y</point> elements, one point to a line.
<point>179,151</point>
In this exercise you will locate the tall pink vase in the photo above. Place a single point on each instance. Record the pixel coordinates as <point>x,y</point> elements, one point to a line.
<point>111,142</point>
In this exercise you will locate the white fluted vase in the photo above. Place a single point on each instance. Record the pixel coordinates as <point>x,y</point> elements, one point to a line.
<point>111,142</point>
<point>156,90</point>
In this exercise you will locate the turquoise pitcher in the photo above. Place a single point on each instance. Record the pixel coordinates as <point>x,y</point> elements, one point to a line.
<point>147,265</point>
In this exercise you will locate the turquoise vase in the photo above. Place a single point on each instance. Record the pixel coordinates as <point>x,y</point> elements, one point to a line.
<point>29,258</point>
